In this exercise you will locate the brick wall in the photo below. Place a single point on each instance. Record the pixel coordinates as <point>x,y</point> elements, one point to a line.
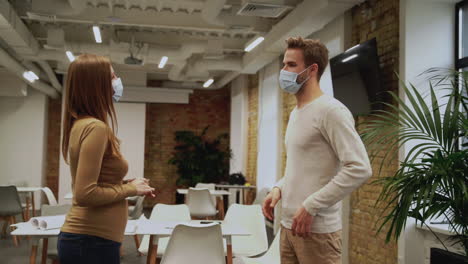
<point>54,113</point>
<point>251,174</point>
<point>289,102</point>
<point>379,19</point>
<point>162,120</point>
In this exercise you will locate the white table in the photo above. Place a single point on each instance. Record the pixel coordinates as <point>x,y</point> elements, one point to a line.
<point>144,227</point>
<point>29,198</point>
<point>240,189</point>
<point>158,230</point>
<point>26,229</point>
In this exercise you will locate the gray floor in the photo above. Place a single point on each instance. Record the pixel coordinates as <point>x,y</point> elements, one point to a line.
<point>9,254</point>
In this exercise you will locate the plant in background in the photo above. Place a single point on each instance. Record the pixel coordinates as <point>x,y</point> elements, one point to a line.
<point>199,159</point>
<point>433,177</point>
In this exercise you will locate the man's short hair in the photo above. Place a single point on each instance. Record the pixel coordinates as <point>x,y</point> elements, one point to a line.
<point>313,50</point>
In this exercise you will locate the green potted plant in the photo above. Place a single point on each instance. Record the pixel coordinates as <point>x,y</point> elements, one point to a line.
<point>432,179</point>
<point>199,159</point>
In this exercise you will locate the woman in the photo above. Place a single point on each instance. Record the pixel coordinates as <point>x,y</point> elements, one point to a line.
<point>95,225</point>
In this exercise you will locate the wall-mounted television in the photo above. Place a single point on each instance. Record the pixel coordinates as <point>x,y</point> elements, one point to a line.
<point>356,78</point>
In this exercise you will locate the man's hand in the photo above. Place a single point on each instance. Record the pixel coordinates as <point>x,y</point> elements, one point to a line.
<point>302,222</point>
<point>271,200</point>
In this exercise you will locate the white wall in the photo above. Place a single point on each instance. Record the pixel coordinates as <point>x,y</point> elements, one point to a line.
<point>269,127</point>
<point>131,120</point>
<point>239,124</point>
<point>426,41</point>
<point>23,137</point>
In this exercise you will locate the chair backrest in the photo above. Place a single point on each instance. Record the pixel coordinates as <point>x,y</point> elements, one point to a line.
<point>273,253</point>
<point>138,209</point>
<point>251,218</point>
<point>165,212</point>
<point>209,186</point>
<point>11,203</point>
<point>50,196</point>
<point>195,245</point>
<point>200,203</point>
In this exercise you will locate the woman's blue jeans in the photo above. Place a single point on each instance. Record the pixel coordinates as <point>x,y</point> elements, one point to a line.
<point>78,248</point>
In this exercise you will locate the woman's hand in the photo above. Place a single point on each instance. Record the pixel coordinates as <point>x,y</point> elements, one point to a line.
<point>142,187</point>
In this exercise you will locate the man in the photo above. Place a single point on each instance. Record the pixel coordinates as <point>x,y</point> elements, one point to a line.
<point>326,160</point>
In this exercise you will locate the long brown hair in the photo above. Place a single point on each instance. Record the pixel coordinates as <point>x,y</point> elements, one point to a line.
<point>89,94</point>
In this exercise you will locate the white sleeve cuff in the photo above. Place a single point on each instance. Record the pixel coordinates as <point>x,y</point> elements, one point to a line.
<point>310,209</point>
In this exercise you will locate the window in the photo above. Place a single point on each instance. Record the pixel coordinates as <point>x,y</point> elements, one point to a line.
<point>461,35</point>
<point>461,44</point>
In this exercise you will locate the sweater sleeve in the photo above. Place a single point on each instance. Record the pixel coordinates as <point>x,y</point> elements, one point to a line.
<point>279,184</point>
<point>338,129</point>
<point>87,190</point>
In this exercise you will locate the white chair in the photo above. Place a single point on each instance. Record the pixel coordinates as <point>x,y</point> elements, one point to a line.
<point>135,211</point>
<point>48,210</point>
<point>251,218</point>
<point>163,213</point>
<point>196,245</point>
<point>200,203</point>
<point>271,257</point>
<point>50,196</point>
<point>209,186</point>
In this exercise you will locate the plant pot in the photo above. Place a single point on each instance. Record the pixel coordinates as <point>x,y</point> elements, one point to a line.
<point>441,256</point>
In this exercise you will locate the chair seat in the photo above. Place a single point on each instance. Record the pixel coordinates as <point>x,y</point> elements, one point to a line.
<point>162,245</point>
<point>242,249</point>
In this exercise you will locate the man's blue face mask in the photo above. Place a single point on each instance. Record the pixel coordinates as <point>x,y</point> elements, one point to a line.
<point>288,81</point>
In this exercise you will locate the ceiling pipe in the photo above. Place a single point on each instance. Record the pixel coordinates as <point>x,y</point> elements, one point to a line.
<point>15,67</point>
<point>51,74</point>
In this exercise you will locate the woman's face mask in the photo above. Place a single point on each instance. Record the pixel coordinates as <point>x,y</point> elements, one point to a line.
<point>118,89</point>
<point>288,81</point>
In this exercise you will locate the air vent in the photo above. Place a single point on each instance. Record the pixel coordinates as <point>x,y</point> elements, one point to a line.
<point>263,10</point>
<point>41,17</point>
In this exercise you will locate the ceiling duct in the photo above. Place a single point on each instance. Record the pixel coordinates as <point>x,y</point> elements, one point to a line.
<point>259,8</point>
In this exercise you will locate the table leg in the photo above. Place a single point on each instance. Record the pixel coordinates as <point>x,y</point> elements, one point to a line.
<point>229,249</point>
<point>242,200</point>
<point>222,210</point>
<point>45,244</point>
<point>28,205</point>
<point>16,239</point>
<point>32,257</point>
<point>154,250</point>
<point>33,205</point>
<point>150,247</point>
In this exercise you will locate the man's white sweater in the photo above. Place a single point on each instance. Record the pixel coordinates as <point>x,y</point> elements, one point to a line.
<point>326,160</point>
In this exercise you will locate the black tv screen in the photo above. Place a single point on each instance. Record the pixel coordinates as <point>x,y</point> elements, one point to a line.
<point>356,78</point>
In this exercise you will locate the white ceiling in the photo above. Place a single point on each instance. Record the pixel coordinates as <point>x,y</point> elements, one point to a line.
<point>202,38</point>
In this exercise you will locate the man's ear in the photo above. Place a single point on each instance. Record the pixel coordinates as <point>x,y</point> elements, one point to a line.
<point>314,68</point>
